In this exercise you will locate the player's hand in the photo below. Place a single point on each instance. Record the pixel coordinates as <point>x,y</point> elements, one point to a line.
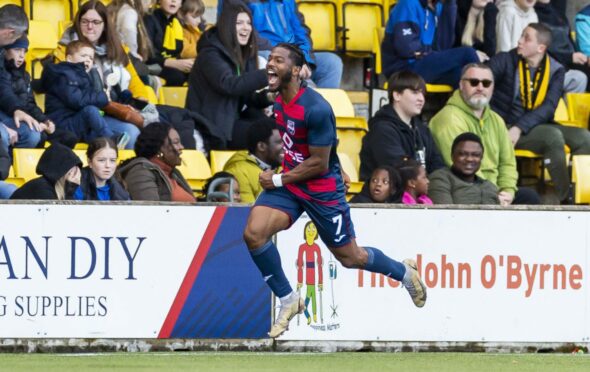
<point>346,179</point>
<point>321,287</point>
<point>305,72</point>
<point>23,116</point>
<point>514,134</point>
<point>265,179</point>
<point>12,135</point>
<point>505,198</point>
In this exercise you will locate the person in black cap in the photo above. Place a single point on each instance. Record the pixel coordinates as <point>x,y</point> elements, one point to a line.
<point>59,168</point>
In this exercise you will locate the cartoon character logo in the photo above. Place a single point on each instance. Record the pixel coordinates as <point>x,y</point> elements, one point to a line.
<point>311,263</point>
<point>291,127</point>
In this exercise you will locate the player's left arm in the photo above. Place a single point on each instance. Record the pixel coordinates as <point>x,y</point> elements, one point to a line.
<point>315,165</point>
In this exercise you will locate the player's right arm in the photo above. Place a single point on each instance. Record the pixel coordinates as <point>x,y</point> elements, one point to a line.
<point>315,165</point>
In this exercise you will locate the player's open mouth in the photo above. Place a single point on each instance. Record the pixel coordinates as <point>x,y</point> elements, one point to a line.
<point>273,78</point>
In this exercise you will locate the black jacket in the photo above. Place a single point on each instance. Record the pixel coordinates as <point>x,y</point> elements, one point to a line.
<point>55,162</point>
<point>21,87</point>
<point>5,163</point>
<point>9,102</point>
<point>562,46</point>
<point>88,187</point>
<point>218,91</point>
<point>390,140</point>
<point>505,69</point>
<point>69,89</point>
<point>490,13</point>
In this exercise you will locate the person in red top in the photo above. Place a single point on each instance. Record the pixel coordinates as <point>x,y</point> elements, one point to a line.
<point>310,250</point>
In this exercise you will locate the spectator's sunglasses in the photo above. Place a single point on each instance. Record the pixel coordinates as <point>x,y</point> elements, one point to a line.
<point>475,82</point>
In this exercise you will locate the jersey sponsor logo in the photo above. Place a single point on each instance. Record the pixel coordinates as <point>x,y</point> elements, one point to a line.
<point>291,127</point>
<point>406,31</point>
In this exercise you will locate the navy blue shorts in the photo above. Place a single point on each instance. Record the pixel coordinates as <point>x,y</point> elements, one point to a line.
<point>332,219</point>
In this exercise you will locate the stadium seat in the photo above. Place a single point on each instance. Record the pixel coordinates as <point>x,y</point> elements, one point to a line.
<point>40,100</point>
<point>125,154</point>
<point>13,2</point>
<point>581,178</point>
<point>16,181</point>
<point>349,168</point>
<point>358,17</point>
<point>81,146</point>
<point>350,141</point>
<point>351,123</point>
<point>175,96</point>
<point>218,159</point>
<point>339,101</point>
<point>195,169</point>
<point>82,155</point>
<point>42,41</point>
<point>25,161</point>
<point>52,11</point>
<point>578,105</point>
<point>322,18</point>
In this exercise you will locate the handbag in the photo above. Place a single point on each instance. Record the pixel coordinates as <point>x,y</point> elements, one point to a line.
<point>124,113</point>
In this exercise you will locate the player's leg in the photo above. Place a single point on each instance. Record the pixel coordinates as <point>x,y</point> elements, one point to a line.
<point>372,259</point>
<point>274,211</point>
<point>336,230</point>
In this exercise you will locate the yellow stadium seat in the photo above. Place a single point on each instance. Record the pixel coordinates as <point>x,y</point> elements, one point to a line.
<point>195,169</point>
<point>25,161</point>
<point>349,168</point>
<point>579,109</point>
<point>13,2</point>
<point>339,100</point>
<point>40,100</point>
<point>218,159</point>
<point>378,34</point>
<point>125,154</point>
<point>81,146</point>
<point>42,41</point>
<point>581,178</point>
<point>82,155</point>
<point>351,123</point>
<point>350,141</point>
<point>52,11</point>
<point>561,113</point>
<point>175,96</point>
<point>358,17</point>
<point>16,181</point>
<point>321,18</point>
<point>439,88</point>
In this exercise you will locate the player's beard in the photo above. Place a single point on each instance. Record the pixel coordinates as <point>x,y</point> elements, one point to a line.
<point>286,79</point>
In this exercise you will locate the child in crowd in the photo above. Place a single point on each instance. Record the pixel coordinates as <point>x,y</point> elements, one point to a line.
<point>14,58</point>
<point>384,186</point>
<point>71,98</point>
<point>513,17</point>
<point>166,35</point>
<point>190,16</point>
<point>98,180</point>
<point>414,182</point>
<point>217,188</point>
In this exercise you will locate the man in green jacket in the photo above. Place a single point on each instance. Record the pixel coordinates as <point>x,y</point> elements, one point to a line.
<point>265,151</point>
<point>468,110</point>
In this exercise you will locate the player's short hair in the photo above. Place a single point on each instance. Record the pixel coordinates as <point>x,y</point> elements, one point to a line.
<point>260,131</point>
<point>75,46</point>
<point>543,33</point>
<point>13,17</point>
<point>403,80</point>
<point>465,137</point>
<point>296,55</point>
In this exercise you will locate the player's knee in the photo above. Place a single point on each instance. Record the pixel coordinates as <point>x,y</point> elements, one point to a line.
<point>351,261</point>
<point>254,238</point>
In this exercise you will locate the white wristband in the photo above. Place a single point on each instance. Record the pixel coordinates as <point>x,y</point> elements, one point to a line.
<point>277,180</point>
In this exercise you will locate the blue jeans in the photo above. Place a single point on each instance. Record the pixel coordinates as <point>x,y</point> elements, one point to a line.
<point>118,127</point>
<point>444,67</point>
<point>6,190</point>
<point>328,72</point>
<point>27,137</point>
<point>87,124</point>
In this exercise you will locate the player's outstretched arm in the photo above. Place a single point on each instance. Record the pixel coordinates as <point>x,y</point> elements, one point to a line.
<point>316,164</point>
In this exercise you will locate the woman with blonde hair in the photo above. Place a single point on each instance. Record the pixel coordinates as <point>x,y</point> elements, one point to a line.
<point>476,25</point>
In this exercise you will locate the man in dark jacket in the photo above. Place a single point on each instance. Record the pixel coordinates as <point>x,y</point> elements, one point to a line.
<point>396,132</point>
<point>529,84</point>
<point>6,189</point>
<point>563,46</point>
<point>419,36</point>
<point>13,24</point>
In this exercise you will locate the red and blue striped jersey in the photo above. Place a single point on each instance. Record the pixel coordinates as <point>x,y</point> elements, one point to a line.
<point>308,120</point>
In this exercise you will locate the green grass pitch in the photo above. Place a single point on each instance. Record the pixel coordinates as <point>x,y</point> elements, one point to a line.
<point>283,362</point>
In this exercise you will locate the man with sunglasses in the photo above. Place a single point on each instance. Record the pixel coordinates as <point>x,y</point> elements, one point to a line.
<point>468,110</point>
<point>529,86</point>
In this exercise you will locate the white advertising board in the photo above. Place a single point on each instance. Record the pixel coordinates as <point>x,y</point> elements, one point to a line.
<point>499,276</point>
